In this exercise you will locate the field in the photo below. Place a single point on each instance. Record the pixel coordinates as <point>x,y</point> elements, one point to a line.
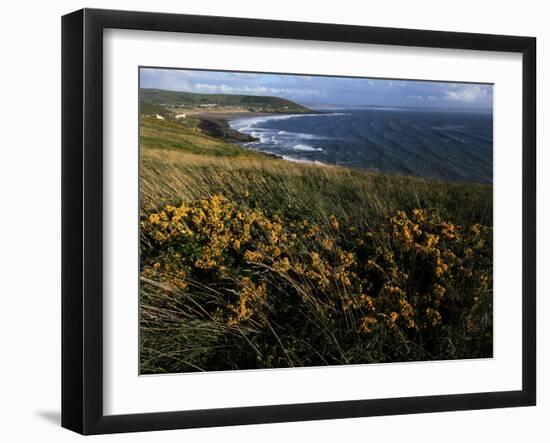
<point>249,261</point>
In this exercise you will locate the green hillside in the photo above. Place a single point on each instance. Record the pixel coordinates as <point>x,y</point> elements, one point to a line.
<point>173,98</point>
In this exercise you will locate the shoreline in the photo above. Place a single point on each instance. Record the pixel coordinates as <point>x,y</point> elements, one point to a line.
<point>228,115</point>
<point>216,124</point>
<point>219,127</point>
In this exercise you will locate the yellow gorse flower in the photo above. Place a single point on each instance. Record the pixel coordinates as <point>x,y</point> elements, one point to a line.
<point>401,284</point>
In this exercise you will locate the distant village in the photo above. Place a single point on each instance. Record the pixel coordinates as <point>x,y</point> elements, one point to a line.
<point>216,105</point>
<point>176,110</point>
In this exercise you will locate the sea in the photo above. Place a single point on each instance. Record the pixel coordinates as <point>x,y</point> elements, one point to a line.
<point>444,145</point>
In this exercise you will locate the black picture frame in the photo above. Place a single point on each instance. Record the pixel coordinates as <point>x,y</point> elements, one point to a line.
<point>82,218</point>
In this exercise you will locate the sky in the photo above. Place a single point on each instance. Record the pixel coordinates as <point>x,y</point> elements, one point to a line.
<point>325,91</point>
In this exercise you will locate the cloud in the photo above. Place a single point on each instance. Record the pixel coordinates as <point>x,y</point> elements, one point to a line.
<point>467,94</point>
<point>255,90</point>
<point>244,75</point>
<point>324,90</point>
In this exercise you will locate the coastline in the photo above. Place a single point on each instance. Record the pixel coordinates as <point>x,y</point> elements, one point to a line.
<point>216,124</point>
<point>219,127</point>
<point>224,120</point>
<point>268,141</point>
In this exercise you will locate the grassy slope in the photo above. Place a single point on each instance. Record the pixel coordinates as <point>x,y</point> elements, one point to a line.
<point>149,108</point>
<point>298,324</point>
<point>181,164</point>
<point>184,137</point>
<point>159,96</point>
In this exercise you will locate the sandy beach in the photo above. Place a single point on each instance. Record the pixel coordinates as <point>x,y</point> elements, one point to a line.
<point>216,113</point>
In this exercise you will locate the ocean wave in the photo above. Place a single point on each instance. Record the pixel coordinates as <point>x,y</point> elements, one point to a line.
<point>262,136</point>
<point>305,136</point>
<point>270,138</point>
<point>242,123</point>
<point>302,160</point>
<point>459,128</point>
<point>302,147</point>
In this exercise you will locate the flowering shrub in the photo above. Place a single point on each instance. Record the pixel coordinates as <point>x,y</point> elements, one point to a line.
<point>252,289</point>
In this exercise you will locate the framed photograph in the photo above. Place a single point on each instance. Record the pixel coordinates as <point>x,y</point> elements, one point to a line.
<point>269,221</point>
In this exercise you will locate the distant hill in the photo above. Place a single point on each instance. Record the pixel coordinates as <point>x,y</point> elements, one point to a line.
<point>159,97</point>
